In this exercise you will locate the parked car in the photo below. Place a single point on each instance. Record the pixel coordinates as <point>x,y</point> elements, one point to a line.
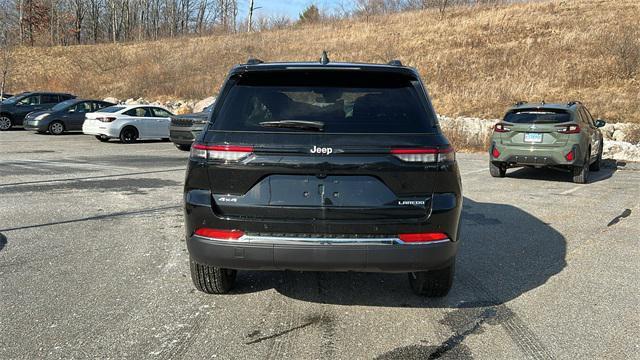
<point>129,123</point>
<point>14,109</point>
<point>66,116</point>
<point>539,135</point>
<point>324,167</point>
<point>185,128</point>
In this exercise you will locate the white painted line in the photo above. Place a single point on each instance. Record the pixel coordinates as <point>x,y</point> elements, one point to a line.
<point>26,167</point>
<point>70,164</point>
<point>567,192</point>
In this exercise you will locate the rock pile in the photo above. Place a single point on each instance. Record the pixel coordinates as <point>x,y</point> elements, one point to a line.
<point>621,140</point>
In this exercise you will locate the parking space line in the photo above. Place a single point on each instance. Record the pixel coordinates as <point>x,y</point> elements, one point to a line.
<point>70,164</point>
<point>567,192</point>
<point>92,177</point>
<point>25,166</point>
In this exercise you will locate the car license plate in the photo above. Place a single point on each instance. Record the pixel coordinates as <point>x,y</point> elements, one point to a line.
<point>533,137</point>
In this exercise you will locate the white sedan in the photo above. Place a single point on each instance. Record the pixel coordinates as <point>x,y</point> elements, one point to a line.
<point>128,123</point>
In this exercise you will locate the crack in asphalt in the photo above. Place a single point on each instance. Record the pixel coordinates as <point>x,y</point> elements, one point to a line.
<point>96,217</point>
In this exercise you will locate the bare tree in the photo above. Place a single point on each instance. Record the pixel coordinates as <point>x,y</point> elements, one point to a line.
<point>6,48</point>
<point>251,9</point>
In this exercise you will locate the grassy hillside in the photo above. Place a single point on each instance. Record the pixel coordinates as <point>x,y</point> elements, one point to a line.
<point>475,61</point>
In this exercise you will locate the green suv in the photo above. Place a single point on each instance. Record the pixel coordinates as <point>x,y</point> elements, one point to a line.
<point>554,135</point>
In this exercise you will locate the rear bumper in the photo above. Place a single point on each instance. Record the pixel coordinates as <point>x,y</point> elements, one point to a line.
<point>97,129</point>
<point>327,254</point>
<point>549,156</point>
<point>323,245</point>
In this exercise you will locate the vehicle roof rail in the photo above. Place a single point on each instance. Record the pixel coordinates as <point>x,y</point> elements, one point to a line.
<point>254,61</point>
<point>518,103</point>
<point>573,102</point>
<point>324,58</point>
<point>395,62</point>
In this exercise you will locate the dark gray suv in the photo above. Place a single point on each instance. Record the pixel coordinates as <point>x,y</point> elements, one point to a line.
<point>14,109</point>
<point>184,129</point>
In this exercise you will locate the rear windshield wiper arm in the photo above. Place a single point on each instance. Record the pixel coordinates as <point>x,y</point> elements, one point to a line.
<point>294,124</point>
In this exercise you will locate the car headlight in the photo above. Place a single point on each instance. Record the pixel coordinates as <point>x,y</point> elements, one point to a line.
<point>41,116</point>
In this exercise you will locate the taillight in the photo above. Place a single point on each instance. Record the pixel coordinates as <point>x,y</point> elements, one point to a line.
<point>423,237</point>
<point>501,128</point>
<point>106,119</point>
<point>570,156</point>
<point>569,129</point>
<point>495,152</point>
<point>220,234</point>
<point>425,154</point>
<point>220,152</point>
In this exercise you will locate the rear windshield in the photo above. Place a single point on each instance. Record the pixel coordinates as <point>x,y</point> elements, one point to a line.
<point>341,101</point>
<point>538,116</point>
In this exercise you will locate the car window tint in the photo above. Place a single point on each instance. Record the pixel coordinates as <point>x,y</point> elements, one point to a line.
<point>583,116</point>
<point>137,112</point>
<point>161,113</point>
<point>590,118</point>
<point>97,105</point>
<point>343,102</point>
<point>49,99</point>
<point>30,100</point>
<point>62,105</point>
<point>537,116</point>
<point>83,107</point>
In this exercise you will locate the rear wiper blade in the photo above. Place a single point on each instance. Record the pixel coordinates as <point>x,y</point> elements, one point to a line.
<point>294,124</point>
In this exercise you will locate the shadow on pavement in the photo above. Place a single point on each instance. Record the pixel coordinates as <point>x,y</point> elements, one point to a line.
<point>3,241</point>
<point>607,168</point>
<point>504,253</point>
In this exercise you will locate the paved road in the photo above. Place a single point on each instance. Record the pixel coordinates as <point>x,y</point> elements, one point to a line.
<point>93,264</point>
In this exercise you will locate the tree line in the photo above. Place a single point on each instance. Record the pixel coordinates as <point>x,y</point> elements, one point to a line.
<point>68,22</point>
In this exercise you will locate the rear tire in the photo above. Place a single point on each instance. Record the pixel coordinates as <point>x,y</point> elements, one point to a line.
<point>102,138</point>
<point>596,165</point>
<point>5,123</point>
<point>183,147</point>
<point>581,173</point>
<point>212,280</point>
<point>497,169</point>
<point>56,128</point>
<point>435,283</point>
<point>129,135</point>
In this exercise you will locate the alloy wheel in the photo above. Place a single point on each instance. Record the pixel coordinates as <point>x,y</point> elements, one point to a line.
<point>56,128</point>
<point>5,123</point>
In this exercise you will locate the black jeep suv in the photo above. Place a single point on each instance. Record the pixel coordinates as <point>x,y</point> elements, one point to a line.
<point>323,167</point>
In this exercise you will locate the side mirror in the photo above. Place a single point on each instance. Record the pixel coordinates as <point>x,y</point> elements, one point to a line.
<point>600,123</point>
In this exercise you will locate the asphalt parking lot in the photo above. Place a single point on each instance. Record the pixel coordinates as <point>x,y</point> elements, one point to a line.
<point>93,264</point>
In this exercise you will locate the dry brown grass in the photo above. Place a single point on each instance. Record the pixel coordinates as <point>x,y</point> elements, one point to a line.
<point>475,61</point>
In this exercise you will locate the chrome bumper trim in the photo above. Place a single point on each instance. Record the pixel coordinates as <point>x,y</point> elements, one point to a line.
<point>277,240</point>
